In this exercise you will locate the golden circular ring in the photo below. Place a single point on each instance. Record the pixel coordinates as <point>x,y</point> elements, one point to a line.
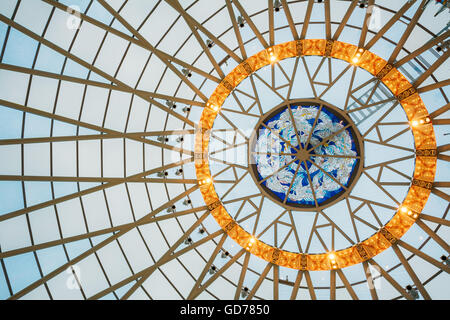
<point>424,140</point>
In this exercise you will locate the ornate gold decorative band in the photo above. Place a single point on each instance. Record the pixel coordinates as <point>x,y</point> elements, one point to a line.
<point>214,205</point>
<point>387,235</point>
<point>422,184</point>
<point>407,93</point>
<point>426,152</point>
<point>383,72</point>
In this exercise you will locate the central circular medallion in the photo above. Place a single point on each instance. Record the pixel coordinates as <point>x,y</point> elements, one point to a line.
<point>305,155</point>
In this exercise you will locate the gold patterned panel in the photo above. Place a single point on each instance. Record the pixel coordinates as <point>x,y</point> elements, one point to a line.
<point>314,47</point>
<point>317,262</point>
<point>376,244</point>
<point>398,225</point>
<point>414,107</point>
<point>362,252</point>
<point>416,198</point>
<point>222,217</point>
<point>396,82</point>
<point>236,76</point>
<point>343,51</point>
<point>288,259</point>
<point>424,137</point>
<point>286,50</point>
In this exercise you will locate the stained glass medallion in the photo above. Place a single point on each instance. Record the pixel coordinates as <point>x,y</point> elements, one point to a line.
<point>305,155</point>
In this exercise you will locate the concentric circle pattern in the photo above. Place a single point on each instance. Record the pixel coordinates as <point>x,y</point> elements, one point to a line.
<point>224,149</point>
<point>283,148</point>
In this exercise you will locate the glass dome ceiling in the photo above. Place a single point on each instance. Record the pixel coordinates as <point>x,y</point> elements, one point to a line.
<point>100,105</point>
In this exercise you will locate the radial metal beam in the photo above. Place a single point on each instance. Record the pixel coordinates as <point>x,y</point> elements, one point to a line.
<point>104,179</point>
<point>347,284</point>
<point>78,194</point>
<point>424,256</point>
<point>88,137</point>
<point>312,293</point>
<point>365,27</point>
<point>411,272</point>
<point>242,275</point>
<point>332,284</point>
<point>199,39</point>
<point>98,84</point>
<point>427,217</point>
<point>250,23</point>
<point>433,235</point>
<point>165,256</point>
<point>431,69</point>
<point>298,279</point>
<point>92,234</point>
<point>270,12</point>
<point>434,86</point>
<point>155,266</point>
<point>440,111</point>
<point>207,266</point>
<point>259,281</point>
<point>236,28</point>
<point>114,133</point>
<point>391,280</point>
<point>219,273</point>
<point>125,23</point>
<point>344,20</point>
<point>422,49</point>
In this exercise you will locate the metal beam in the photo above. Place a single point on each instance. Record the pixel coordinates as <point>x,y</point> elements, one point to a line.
<point>411,272</point>
<point>95,248</point>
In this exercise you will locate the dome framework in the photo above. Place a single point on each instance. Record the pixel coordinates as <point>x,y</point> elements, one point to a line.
<point>105,162</point>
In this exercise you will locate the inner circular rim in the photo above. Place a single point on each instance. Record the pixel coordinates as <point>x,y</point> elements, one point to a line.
<point>356,173</point>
